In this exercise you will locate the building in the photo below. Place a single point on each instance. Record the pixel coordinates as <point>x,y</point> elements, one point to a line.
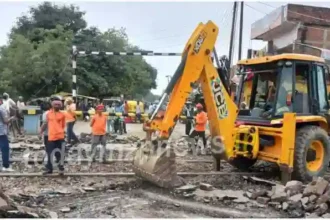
<point>295,28</point>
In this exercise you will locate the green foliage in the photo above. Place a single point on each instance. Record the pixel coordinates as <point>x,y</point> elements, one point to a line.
<point>36,60</point>
<point>48,16</point>
<point>112,75</point>
<point>27,66</point>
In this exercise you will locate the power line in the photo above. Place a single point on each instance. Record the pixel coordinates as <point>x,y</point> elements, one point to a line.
<point>262,12</point>
<point>224,16</point>
<point>165,29</point>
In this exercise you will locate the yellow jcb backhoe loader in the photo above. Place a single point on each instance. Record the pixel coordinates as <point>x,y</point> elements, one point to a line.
<point>286,123</point>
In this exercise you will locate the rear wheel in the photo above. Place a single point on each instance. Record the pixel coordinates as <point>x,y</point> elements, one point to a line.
<point>312,151</point>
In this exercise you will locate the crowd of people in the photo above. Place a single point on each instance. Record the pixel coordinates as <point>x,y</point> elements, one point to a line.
<point>55,121</point>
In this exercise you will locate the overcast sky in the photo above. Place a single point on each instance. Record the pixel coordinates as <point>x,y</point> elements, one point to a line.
<point>158,26</point>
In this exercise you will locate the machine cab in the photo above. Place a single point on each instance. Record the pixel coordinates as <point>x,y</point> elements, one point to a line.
<point>283,83</point>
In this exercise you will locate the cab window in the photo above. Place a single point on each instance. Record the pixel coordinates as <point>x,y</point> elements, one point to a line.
<point>302,72</point>
<point>284,88</point>
<point>321,88</point>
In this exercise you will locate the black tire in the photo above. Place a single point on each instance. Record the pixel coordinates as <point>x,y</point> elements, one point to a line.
<point>304,138</point>
<point>242,163</point>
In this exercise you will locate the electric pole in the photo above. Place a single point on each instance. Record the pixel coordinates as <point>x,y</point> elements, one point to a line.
<point>232,34</point>
<point>240,86</point>
<point>240,31</point>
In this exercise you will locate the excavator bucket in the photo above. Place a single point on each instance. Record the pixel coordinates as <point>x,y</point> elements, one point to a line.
<point>157,165</point>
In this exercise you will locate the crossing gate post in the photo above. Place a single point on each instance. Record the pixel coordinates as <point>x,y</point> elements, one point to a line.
<point>74,74</point>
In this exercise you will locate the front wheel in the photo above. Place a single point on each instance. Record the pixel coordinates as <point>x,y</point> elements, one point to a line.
<point>312,151</point>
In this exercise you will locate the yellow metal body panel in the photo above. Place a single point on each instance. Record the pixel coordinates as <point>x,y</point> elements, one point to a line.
<point>321,121</point>
<point>288,139</point>
<point>247,137</point>
<point>288,56</point>
<point>282,150</point>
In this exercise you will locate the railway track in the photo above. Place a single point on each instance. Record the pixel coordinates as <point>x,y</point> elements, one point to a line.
<point>127,174</point>
<point>32,161</point>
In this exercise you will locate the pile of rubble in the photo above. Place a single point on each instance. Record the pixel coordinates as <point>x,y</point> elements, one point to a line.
<point>295,198</point>
<point>11,209</point>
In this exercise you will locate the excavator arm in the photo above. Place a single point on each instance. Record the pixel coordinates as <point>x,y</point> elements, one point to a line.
<point>156,160</point>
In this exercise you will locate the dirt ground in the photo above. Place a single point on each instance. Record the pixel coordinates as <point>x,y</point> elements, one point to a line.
<point>103,197</point>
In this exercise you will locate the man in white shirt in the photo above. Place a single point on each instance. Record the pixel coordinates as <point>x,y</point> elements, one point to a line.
<point>20,102</point>
<point>8,103</point>
<point>138,111</point>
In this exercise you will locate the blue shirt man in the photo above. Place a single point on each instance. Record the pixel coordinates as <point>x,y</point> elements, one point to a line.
<point>119,108</point>
<point>4,142</point>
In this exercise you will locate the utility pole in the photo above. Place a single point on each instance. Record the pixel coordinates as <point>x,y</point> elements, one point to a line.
<point>232,34</point>
<point>240,86</point>
<point>240,31</point>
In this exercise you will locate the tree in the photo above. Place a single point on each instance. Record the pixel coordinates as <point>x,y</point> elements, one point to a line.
<point>36,59</point>
<point>26,69</point>
<point>112,75</point>
<point>48,16</point>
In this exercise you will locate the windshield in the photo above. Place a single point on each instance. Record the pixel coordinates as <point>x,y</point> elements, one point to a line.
<point>271,89</point>
<point>284,92</point>
<point>265,89</point>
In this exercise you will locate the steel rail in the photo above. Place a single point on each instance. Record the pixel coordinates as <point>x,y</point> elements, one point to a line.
<point>122,174</point>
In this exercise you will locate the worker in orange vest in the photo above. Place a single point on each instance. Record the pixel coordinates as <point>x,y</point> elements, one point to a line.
<point>98,124</point>
<point>200,125</point>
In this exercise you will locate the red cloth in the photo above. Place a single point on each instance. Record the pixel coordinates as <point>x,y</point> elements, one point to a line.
<point>100,107</point>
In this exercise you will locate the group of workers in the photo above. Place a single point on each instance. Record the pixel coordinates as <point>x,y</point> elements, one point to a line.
<point>55,121</point>
<point>53,132</point>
